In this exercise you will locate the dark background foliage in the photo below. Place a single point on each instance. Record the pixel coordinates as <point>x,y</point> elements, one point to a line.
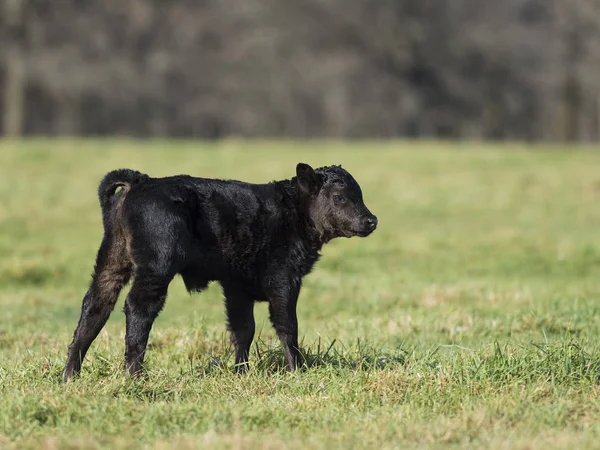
<point>483,69</point>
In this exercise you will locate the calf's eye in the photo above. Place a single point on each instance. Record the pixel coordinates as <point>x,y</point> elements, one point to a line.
<point>339,199</point>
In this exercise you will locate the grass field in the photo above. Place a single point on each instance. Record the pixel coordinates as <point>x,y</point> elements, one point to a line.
<point>469,319</point>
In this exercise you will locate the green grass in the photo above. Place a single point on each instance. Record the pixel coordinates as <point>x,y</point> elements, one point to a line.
<point>469,319</point>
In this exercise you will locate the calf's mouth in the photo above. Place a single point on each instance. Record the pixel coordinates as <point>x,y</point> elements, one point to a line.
<point>369,225</point>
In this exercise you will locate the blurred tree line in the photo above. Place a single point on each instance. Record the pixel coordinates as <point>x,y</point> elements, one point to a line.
<point>490,69</point>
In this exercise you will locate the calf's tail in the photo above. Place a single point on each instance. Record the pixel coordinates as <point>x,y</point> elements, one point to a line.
<point>110,199</point>
<point>121,178</point>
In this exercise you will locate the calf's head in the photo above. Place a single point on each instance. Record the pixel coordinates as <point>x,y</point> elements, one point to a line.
<point>334,202</point>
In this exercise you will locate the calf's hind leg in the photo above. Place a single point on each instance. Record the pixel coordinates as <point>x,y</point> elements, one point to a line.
<point>112,272</point>
<point>143,304</point>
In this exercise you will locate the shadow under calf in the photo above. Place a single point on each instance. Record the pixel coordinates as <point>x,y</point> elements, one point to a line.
<point>257,240</point>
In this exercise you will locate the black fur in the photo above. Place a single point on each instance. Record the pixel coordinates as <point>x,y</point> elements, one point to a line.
<point>257,240</point>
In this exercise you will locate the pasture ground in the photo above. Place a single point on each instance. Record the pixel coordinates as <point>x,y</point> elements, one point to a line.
<point>469,319</point>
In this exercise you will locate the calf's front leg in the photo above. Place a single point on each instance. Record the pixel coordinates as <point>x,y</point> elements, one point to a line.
<point>240,321</point>
<point>282,309</point>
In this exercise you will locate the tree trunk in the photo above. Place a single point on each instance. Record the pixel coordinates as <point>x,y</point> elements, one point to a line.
<point>14,82</point>
<point>572,108</point>
<point>67,117</point>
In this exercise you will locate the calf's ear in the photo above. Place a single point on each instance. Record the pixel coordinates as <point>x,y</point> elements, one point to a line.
<point>308,181</point>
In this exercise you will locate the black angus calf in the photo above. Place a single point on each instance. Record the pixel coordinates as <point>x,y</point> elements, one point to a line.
<point>257,240</point>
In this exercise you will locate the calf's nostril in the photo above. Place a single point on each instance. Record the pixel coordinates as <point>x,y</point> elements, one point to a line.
<point>371,222</point>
